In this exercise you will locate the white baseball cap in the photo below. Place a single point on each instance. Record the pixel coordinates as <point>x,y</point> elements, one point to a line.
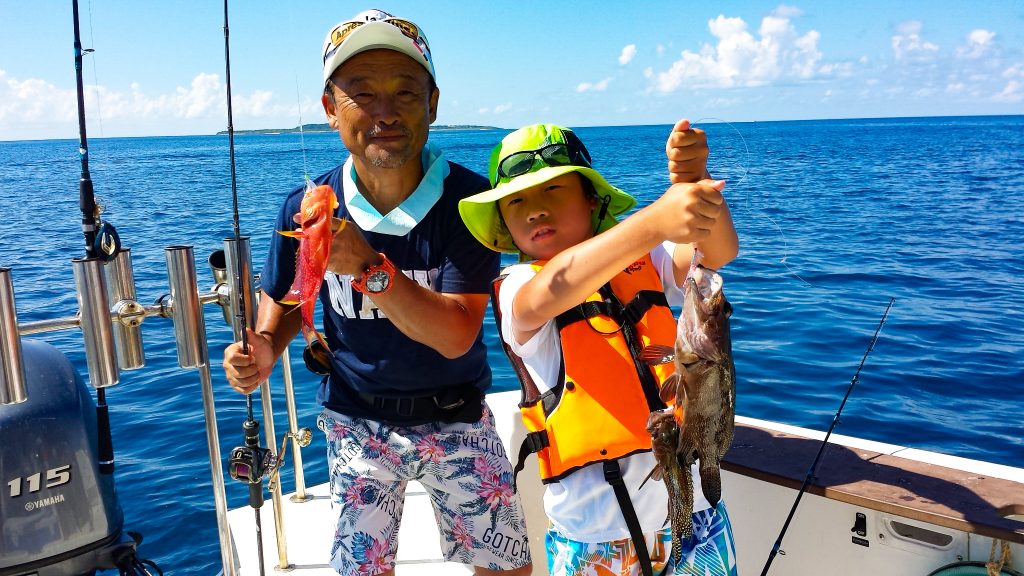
<point>373,29</point>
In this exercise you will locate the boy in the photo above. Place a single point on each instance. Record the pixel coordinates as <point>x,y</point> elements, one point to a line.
<point>572,321</point>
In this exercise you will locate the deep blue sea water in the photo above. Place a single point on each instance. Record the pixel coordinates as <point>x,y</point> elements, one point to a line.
<point>834,217</point>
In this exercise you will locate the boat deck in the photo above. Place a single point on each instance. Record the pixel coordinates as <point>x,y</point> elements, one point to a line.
<point>934,508</point>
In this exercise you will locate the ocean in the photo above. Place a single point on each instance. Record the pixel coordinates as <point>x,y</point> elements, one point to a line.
<point>835,217</point>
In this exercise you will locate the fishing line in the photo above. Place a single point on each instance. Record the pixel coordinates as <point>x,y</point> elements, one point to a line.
<point>95,78</point>
<point>746,197</point>
<point>250,427</point>
<point>776,548</point>
<point>302,135</point>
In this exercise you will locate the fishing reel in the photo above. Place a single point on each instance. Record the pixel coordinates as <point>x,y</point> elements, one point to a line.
<point>251,463</point>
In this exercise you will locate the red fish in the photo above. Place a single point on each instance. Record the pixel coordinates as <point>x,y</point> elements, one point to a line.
<point>316,214</point>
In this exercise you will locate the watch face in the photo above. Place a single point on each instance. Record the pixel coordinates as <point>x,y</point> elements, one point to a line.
<point>378,281</point>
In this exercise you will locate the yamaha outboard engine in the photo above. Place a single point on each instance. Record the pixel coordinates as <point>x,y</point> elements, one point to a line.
<point>59,515</point>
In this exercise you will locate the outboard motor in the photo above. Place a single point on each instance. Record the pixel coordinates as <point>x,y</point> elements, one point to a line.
<point>59,515</point>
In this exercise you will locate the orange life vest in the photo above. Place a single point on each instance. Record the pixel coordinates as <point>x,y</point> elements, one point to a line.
<point>598,411</point>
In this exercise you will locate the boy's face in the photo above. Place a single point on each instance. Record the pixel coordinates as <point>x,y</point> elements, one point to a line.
<point>549,217</point>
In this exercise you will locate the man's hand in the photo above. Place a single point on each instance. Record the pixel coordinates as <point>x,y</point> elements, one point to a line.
<point>246,371</point>
<point>350,252</point>
<point>687,152</point>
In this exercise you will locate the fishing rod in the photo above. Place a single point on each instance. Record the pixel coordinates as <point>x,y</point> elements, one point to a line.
<point>101,240</point>
<point>776,548</point>
<point>248,463</point>
<point>102,243</point>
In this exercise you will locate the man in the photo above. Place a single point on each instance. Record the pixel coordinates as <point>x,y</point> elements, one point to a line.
<point>404,299</point>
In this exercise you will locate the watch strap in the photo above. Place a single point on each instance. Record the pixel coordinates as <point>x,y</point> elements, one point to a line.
<point>385,265</point>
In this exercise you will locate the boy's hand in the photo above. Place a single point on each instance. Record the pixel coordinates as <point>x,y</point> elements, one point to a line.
<point>687,212</point>
<point>687,152</point>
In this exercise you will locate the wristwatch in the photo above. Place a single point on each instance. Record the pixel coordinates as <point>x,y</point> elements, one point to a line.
<point>377,278</point>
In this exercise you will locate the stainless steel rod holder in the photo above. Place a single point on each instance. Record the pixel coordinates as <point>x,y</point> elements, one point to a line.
<point>127,310</point>
<point>97,330</point>
<point>293,426</point>
<point>186,311</point>
<point>220,500</point>
<point>218,266</point>
<point>238,264</point>
<point>275,492</point>
<point>12,372</point>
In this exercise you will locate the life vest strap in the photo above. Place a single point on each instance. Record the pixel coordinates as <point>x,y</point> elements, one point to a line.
<point>631,312</point>
<point>613,475</point>
<point>533,442</point>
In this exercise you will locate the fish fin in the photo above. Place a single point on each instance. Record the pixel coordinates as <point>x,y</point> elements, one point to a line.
<point>654,474</point>
<point>340,223</point>
<point>320,337</point>
<point>679,408</point>
<point>656,354</point>
<point>295,304</point>
<point>670,387</point>
<point>292,233</point>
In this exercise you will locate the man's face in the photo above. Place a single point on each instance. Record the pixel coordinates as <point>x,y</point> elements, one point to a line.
<point>383,107</point>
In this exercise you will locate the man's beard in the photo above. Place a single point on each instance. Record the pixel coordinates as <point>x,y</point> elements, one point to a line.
<point>383,158</point>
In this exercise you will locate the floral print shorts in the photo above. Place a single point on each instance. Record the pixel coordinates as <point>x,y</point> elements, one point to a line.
<point>463,468</point>
<point>710,551</point>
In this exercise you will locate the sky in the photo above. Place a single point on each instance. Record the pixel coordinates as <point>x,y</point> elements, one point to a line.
<point>158,68</point>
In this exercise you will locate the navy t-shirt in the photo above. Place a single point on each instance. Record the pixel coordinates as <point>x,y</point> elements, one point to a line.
<point>369,354</point>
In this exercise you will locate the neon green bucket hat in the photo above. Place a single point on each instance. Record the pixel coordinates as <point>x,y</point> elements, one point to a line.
<point>526,158</point>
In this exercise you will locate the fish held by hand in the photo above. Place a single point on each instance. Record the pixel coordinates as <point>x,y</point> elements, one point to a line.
<point>704,391</point>
<point>315,218</point>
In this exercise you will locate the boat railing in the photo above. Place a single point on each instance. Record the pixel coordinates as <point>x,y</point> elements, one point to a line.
<point>110,316</point>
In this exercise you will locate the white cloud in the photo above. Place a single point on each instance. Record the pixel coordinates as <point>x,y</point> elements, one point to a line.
<point>483,110</point>
<point>595,87</point>
<point>908,44</point>
<point>660,49</point>
<point>1013,91</point>
<point>36,102</point>
<point>979,44</point>
<point>628,53</point>
<point>739,58</point>
<point>648,72</point>
<point>502,108</point>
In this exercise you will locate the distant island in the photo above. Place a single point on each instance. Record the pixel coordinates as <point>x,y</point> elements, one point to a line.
<point>327,128</point>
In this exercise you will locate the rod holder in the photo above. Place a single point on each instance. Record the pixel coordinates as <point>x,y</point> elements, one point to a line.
<point>238,265</point>
<point>186,310</point>
<point>127,311</point>
<point>221,286</point>
<point>12,371</point>
<point>97,330</point>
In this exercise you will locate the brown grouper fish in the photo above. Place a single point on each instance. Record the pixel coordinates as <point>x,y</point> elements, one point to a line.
<point>700,423</point>
<point>315,234</point>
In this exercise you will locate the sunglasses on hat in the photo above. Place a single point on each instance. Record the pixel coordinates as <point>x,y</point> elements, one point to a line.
<point>558,154</point>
